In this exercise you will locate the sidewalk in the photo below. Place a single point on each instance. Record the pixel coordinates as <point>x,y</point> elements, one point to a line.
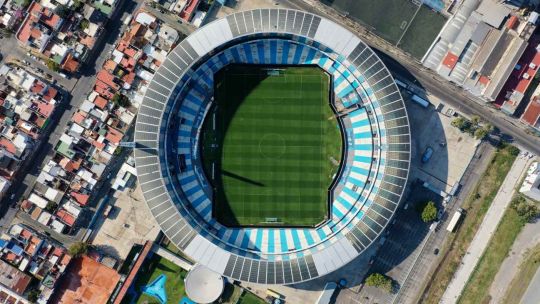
<point>528,238</point>
<point>486,230</point>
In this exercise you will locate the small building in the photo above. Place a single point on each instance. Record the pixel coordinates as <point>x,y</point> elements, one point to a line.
<point>531,184</point>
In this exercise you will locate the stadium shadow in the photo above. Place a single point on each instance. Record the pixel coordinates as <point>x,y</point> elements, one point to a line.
<point>403,236</point>
<point>241,178</point>
<point>212,147</point>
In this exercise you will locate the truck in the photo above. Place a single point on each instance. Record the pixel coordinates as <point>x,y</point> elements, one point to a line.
<point>455,220</point>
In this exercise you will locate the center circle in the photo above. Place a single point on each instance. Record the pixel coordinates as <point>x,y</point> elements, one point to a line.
<point>272,146</point>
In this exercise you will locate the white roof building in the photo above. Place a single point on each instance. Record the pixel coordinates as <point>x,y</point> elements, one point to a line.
<point>531,184</point>
<point>38,200</point>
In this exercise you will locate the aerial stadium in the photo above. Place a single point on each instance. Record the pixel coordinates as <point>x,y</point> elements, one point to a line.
<point>272,146</point>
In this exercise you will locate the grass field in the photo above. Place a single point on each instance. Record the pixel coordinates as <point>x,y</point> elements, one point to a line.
<point>421,32</point>
<point>271,142</point>
<point>390,20</point>
<point>476,204</point>
<point>151,269</point>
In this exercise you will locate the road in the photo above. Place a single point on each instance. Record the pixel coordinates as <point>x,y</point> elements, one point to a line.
<point>427,262</point>
<point>485,232</point>
<point>532,294</point>
<point>527,240</point>
<point>455,97</point>
<point>80,89</point>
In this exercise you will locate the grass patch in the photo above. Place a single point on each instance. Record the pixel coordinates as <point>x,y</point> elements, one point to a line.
<point>425,27</point>
<point>477,288</point>
<point>150,270</point>
<point>231,294</point>
<point>521,281</point>
<point>267,145</point>
<point>476,204</point>
<point>250,298</point>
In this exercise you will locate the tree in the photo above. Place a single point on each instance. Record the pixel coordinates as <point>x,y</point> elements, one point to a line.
<point>475,120</point>
<point>33,295</point>
<point>513,150</point>
<point>78,249</point>
<point>462,124</point>
<point>84,24</point>
<point>121,100</point>
<point>429,213</point>
<point>527,211</point>
<point>380,281</point>
<point>77,5</point>
<point>51,207</point>
<point>61,10</point>
<point>53,65</point>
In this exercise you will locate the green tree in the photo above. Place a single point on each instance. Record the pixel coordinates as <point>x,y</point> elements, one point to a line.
<point>462,124</point>
<point>527,211</point>
<point>429,213</point>
<point>380,281</point>
<point>121,100</point>
<point>481,133</point>
<point>475,120</point>
<point>33,295</point>
<point>53,65</point>
<point>62,11</point>
<point>77,5</point>
<point>84,24</point>
<point>51,207</point>
<point>78,249</point>
<point>513,150</point>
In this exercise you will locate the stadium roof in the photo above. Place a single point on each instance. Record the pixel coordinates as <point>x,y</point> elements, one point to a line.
<point>377,150</point>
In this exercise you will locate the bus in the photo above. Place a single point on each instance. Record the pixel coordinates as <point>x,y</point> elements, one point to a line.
<point>455,220</point>
<point>421,101</point>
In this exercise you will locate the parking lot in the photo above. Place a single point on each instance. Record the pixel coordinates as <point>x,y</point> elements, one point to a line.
<point>452,150</point>
<point>129,222</point>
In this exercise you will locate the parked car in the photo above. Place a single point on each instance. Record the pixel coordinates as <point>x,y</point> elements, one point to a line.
<point>427,155</point>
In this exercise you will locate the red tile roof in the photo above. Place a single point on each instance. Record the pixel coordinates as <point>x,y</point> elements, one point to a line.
<point>50,93</point>
<point>114,136</point>
<point>532,113</point>
<point>109,66</point>
<point>78,117</point>
<point>70,64</point>
<point>129,78</point>
<point>101,102</point>
<point>37,87</point>
<point>65,217</point>
<point>450,60</point>
<point>8,145</point>
<point>188,10</point>
<point>107,79</point>
<point>86,281</point>
<point>45,109</point>
<point>512,22</point>
<point>82,199</point>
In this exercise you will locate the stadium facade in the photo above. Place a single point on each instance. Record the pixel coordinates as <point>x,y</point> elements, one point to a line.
<point>374,124</point>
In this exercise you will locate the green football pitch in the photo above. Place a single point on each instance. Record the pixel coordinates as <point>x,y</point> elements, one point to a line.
<point>271,146</point>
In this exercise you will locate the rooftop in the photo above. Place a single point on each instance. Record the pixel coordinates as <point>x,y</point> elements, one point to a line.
<point>86,281</point>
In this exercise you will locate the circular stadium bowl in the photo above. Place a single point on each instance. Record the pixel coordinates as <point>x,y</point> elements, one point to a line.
<point>203,285</point>
<point>375,154</point>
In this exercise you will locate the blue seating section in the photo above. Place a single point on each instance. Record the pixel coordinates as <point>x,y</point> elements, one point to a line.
<point>349,204</point>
